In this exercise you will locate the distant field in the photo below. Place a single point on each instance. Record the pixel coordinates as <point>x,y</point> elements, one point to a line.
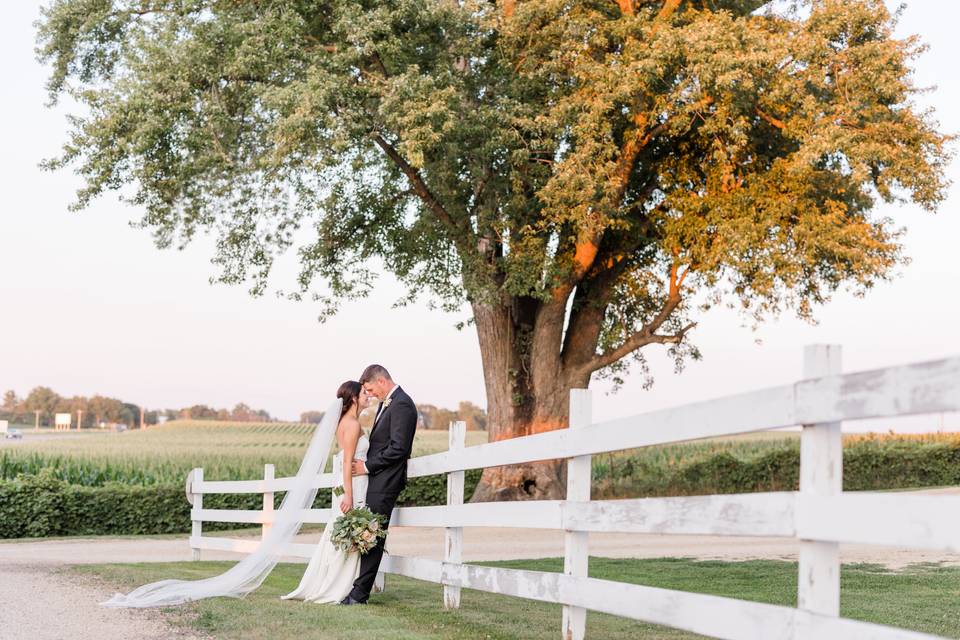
<point>766,461</point>
<point>166,453</point>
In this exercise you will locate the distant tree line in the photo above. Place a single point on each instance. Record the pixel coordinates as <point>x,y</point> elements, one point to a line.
<point>240,413</point>
<point>97,409</point>
<point>311,417</point>
<point>431,417</point>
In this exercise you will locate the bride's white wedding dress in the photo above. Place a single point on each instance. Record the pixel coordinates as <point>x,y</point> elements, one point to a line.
<point>329,576</point>
<point>249,573</point>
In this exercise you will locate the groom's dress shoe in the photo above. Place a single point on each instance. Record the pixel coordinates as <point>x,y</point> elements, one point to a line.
<point>350,600</point>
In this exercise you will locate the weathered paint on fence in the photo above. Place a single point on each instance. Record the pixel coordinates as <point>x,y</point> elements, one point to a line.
<point>820,514</point>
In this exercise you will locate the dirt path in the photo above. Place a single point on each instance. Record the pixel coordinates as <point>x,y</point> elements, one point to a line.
<point>44,603</point>
<point>479,544</point>
<point>51,604</point>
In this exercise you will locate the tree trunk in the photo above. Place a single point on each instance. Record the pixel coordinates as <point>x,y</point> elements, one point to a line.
<point>527,392</point>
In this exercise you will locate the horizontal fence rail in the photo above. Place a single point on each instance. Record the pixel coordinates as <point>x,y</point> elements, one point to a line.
<point>931,387</point>
<point>820,515</point>
<point>921,522</point>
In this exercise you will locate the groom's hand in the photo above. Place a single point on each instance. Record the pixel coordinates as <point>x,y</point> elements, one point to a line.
<point>359,469</point>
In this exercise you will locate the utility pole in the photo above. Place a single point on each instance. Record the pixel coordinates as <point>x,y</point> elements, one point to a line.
<point>79,419</point>
<point>36,424</point>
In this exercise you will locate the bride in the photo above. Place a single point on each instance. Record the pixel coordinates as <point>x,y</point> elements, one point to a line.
<point>245,576</point>
<point>329,576</point>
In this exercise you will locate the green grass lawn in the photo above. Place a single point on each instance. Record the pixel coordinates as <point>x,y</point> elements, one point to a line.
<point>922,597</point>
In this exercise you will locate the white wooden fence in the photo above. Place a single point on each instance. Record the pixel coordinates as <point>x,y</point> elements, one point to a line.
<point>820,515</point>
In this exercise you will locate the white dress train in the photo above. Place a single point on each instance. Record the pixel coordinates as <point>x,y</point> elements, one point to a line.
<point>329,576</point>
<point>249,573</point>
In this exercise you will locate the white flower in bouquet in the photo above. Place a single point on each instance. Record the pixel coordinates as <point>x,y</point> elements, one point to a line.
<point>358,530</point>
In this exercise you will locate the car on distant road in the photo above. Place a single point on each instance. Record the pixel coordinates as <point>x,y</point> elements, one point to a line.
<point>13,434</point>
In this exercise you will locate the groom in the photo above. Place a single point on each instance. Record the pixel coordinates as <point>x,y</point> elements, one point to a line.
<point>391,441</point>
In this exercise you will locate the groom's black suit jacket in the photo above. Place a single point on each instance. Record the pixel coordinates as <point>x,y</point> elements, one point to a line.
<point>391,443</point>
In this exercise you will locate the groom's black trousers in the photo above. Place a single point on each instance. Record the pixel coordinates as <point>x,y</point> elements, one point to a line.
<point>383,504</point>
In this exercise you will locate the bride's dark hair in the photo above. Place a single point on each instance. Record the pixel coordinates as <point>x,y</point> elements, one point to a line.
<point>349,392</point>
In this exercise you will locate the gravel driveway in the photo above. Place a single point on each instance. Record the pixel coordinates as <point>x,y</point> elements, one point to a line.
<point>46,603</point>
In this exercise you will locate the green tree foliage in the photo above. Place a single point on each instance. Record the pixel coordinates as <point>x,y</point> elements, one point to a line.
<point>10,401</point>
<point>432,417</point>
<point>45,400</point>
<point>240,413</point>
<point>587,176</point>
<point>243,413</point>
<point>474,416</point>
<point>311,417</point>
<point>98,408</point>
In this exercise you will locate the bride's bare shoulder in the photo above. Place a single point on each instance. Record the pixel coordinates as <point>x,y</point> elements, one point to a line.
<point>349,425</point>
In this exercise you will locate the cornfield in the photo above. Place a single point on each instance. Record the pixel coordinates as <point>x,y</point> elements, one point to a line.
<point>238,451</point>
<point>165,454</point>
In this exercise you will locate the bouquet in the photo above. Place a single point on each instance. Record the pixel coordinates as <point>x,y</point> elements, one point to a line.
<point>358,530</point>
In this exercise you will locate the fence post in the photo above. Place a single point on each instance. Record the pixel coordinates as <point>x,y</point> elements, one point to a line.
<point>821,474</point>
<point>197,528</point>
<point>576,544</point>
<point>268,476</point>
<point>453,539</point>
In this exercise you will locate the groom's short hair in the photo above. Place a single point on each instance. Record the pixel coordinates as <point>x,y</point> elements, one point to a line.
<point>373,372</point>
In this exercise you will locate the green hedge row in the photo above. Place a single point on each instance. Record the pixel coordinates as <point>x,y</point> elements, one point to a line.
<point>866,466</point>
<point>432,490</point>
<point>42,505</point>
<point>37,506</point>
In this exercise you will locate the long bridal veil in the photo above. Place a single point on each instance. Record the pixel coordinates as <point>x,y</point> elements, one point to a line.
<point>249,573</point>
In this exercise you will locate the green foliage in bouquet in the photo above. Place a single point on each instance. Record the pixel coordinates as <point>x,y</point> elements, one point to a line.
<point>358,530</point>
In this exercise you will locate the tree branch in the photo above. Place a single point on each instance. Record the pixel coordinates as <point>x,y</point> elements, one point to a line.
<point>460,237</point>
<point>589,308</point>
<point>779,124</point>
<point>315,43</point>
<point>668,9</point>
<point>648,333</point>
<point>378,62</point>
<point>588,243</point>
<point>584,255</point>
<point>635,142</point>
<point>637,340</point>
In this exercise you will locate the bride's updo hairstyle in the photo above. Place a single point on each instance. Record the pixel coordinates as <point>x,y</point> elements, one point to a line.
<point>349,392</point>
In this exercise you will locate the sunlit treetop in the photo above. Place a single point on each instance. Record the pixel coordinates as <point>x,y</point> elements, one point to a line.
<point>631,157</point>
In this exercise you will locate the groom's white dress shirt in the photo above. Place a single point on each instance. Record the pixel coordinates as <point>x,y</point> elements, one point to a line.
<point>385,400</point>
<point>380,410</point>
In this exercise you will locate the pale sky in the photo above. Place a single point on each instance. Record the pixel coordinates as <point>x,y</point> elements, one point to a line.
<point>89,305</point>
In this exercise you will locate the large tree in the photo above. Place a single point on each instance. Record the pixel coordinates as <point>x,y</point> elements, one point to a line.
<point>45,400</point>
<point>586,175</point>
<point>10,400</point>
